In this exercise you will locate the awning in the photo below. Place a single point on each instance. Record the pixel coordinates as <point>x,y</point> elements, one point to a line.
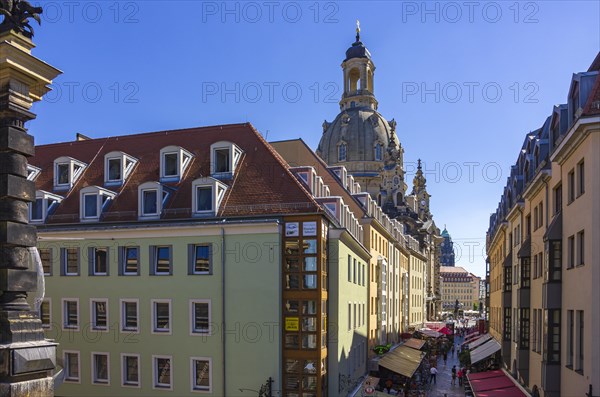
<point>484,351</point>
<point>494,384</point>
<point>554,231</point>
<point>470,338</point>
<point>414,343</point>
<point>525,250</point>
<point>402,360</point>
<point>479,341</point>
<point>429,332</point>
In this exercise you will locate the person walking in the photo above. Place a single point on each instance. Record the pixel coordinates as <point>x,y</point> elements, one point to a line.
<point>433,375</point>
<point>452,350</point>
<point>460,377</point>
<point>453,375</point>
<point>445,358</point>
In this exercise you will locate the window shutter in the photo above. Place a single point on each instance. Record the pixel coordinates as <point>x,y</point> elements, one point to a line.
<point>139,259</point>
<point>78,261</point>
<point>210,258</point>
<point>121,260</point>
<point>108,261</point>
<point>171,264</point>
<point>191,258</point>
<point>152,256</point>
<point>51,261</point>
<point>91,261</point>
<point>63,261</point>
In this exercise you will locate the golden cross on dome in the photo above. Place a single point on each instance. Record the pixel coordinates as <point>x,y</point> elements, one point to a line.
<point>357,26</point>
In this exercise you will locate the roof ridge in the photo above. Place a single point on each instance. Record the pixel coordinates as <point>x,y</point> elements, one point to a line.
<point>127,136</point>
<point>284,164</point>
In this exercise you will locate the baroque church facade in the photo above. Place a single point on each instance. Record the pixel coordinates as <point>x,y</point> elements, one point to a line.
<point>367,145</point>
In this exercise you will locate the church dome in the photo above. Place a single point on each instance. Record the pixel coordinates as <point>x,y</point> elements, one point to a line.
<point>358,50</point>
<point>361,129</point>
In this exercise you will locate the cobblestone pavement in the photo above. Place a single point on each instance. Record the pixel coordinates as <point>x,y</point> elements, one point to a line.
<point>443,387</point>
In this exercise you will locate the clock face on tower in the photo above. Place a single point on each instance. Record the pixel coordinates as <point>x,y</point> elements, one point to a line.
<point>422,203</point>
<point>396,180</point>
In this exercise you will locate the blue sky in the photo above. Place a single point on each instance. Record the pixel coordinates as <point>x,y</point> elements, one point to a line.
<point>465,81</point>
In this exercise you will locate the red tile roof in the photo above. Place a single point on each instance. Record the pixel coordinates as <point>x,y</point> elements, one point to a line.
<point>262,184</point>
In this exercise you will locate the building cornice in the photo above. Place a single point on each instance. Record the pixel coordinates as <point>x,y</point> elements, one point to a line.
<point>502,228</point>
<point>537,183</point>
<point>516,210</point>
<point>573,139</point>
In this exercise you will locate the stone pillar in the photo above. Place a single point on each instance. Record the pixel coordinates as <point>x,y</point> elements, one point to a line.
<point>26,357</point>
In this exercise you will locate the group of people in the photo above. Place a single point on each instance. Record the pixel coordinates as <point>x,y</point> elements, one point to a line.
<point>459,373</point>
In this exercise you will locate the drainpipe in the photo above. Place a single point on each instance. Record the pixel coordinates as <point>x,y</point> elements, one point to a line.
<point>224,328</point>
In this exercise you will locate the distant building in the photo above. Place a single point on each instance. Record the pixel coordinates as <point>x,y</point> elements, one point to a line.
<point>447,250</point>
<point>460,285</point>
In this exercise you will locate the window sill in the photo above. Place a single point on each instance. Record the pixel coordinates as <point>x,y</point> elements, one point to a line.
<point>580,265</point>
<point>569,367</point>
<point>579,371</point>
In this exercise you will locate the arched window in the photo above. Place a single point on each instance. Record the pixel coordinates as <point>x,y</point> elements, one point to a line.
<point>379,152</point>
<point>342,149</point>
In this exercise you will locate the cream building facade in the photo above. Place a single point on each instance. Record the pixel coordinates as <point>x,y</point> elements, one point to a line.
<point>543,272</point>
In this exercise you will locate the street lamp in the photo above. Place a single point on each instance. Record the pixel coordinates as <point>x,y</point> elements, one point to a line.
<point>266,390</point>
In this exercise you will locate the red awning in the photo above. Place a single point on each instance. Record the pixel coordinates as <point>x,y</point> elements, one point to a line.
<point>445,331</point>
<point>494,384</point>
<point>485,375</point>
<point>507,392</point>
<point>498,382</point>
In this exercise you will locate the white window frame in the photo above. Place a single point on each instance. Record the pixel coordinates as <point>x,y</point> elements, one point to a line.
<point>217,194</point>
<point>45,197</point>
<point>66,367</point>
<point>73,173</point>
<point>94,326</point>
<point>210,259</point>
<point>124,382</point>
<point>162,194</point>
<point>123,265</point>
<point>100,192</point>
<point>193,387</point>
<point>64,262</point>
<point>66,327</point>
<point>32,172</point>
<point>184,158</point>
<point>93,369</point>
<point>93,270</point>
<point>123,313</point>
<point>49,301</point>
<point>235,154</point>
<point>193,331</point>
<point>125,168</point>
<point>153,317</point>
<point>155,384</point>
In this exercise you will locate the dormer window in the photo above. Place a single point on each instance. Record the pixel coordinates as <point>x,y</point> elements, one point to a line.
<point>45,203</point>
<point>32,172</point>
<point>342,150</point>
<point>207,195</point>
<point>224,158</point>
<point>174,160</point>
<point>378,152</point>
<point>152,197</point>
<point>117,167</point>
<point>66,172</point>
<point>94,200</point>
<point>575,101</point>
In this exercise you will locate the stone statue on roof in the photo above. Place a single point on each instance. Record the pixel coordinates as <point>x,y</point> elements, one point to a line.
<point>16,16</point>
